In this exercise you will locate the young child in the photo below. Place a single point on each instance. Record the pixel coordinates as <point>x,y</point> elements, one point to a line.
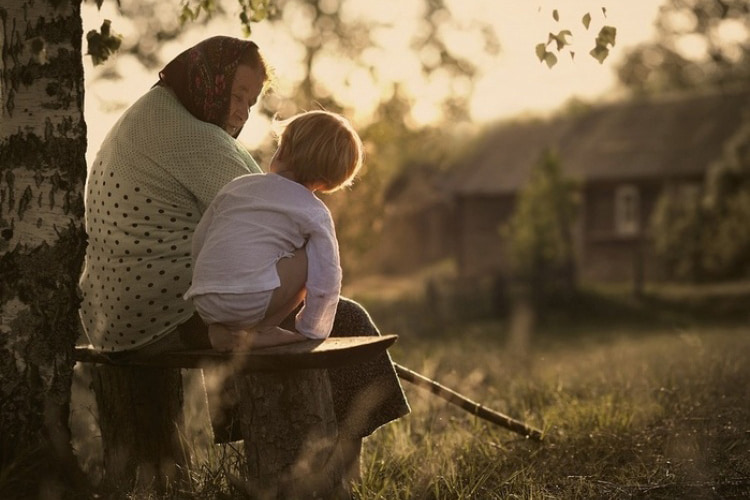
<point>266,242</point>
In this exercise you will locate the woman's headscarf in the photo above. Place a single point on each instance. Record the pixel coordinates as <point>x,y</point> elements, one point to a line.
<point>202,76</point>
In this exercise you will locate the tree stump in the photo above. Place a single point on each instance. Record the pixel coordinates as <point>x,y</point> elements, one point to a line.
<point>291,435</point>
<point>141,417</point>
<point>285,414</point>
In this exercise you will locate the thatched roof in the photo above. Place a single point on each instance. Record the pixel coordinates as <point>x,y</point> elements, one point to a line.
<point>666,138</point>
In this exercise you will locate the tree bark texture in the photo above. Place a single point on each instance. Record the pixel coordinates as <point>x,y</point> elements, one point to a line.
<point>42,239</point>
<point>141,420</point>
<point>290,435</point>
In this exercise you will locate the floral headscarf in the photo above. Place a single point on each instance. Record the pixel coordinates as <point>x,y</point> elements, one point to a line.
<point>202,76</point>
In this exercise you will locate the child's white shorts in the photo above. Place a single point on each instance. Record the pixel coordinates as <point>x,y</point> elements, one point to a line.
<point>234,310</point>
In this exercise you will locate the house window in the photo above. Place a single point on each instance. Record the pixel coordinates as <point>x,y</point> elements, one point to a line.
<point>627,210</point>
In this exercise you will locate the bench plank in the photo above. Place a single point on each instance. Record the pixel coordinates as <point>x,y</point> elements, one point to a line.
<point>309,354</point>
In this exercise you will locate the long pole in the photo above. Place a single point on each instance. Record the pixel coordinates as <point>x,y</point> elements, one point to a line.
<point>467,404</point>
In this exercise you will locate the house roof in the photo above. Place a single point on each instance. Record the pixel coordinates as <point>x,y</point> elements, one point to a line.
<point>670,137</point>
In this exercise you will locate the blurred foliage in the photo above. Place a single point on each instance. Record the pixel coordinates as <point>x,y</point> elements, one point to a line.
<point>324,33</point>
<point>251,11</point>
<point>676,227</point>
<point>539,233</point>
<point>698,43</point>
<point>706,236</point>
<point>547,52</point>
<point>394,153</point>
<point>156,22</point>
<point>701,235</point>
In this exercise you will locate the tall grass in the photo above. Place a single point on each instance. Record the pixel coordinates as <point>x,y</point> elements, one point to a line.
<point>637,399</point>
<point>666,416</point>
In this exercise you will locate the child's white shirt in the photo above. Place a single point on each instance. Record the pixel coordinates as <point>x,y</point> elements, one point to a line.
<point>254,221</point>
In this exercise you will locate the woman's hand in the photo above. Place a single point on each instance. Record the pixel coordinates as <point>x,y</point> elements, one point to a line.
<point>224,339</point>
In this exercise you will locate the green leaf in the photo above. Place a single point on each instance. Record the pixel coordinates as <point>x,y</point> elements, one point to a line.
<point>541,50</point>
<point>559,39</point>
<point>586,20</point>
<point>550,59</point>
<point>186,15</point>
<point>604,39</point>
<point>191,9</point>
<point>607,35</point>
<point>254,11</point>
<point>599,53</point>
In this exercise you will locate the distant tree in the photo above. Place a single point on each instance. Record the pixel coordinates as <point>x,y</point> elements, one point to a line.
<point>393,151</point>
<point>698,43</point>
<point>701,236</point>
<point>539,233</point>
<point>677,226</point>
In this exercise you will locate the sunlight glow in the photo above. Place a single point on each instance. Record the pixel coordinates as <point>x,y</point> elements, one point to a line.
<point>692,46</point>
<point>507,84</point>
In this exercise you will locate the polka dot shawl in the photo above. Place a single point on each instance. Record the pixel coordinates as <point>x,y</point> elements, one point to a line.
<point>155,174</point>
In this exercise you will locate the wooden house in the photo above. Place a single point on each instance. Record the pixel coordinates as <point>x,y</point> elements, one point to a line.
<point>624,155</point>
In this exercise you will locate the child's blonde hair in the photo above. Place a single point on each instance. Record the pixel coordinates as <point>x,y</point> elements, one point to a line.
<point>320,148</point>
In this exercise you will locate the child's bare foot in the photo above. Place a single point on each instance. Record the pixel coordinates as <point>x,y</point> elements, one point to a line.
<point>274,335</point>
<point>224,339</point>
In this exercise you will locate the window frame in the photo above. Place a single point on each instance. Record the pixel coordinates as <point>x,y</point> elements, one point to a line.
<point>627,210</point>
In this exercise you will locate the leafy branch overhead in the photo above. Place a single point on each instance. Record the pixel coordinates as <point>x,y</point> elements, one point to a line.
<point>251,11</point>
<point>105,42</point>
<point>548,52</point>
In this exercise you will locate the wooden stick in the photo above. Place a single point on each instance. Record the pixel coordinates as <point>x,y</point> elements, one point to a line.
<point>465,403</point>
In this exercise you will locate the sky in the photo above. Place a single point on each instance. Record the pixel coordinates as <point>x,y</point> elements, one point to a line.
<point>510,84</point>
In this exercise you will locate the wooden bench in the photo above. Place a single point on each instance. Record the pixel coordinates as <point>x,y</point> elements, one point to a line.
<point>286,416</point>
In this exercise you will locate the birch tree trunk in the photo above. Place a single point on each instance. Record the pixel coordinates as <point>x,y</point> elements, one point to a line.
<point>42,241</point>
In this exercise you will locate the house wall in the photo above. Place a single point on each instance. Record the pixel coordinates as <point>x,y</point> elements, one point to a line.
<point>416,238</point>
<point>607,255</point>
<point>479,243</point>
<point>602,253</point>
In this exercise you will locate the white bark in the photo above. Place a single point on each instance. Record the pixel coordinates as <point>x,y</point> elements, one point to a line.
<point>42,171</point>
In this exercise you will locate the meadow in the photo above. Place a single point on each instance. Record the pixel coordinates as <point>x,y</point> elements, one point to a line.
<point>638,398</point>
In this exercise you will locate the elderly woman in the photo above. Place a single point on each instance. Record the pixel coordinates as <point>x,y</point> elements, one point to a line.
<point>156,172</point>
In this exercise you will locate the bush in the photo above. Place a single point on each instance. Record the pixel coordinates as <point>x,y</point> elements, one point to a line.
<point>700,237</point>
<point>540,231</point>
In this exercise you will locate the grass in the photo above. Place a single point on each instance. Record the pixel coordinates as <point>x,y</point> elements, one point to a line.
<point>664,416</point>
<point>638,398</point>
